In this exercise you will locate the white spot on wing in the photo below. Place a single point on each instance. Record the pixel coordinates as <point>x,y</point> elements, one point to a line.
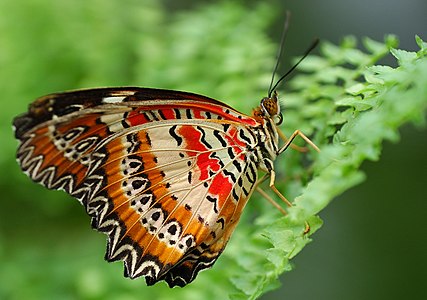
<point>113,121</point>
<point>115,99</point>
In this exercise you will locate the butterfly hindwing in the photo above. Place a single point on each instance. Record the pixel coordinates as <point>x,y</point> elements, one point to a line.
<point>164,174</point>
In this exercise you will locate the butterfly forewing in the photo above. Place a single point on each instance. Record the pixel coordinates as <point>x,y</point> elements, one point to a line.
<point>164,174</point>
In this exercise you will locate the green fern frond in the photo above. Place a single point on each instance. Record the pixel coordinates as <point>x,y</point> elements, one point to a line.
<point>349,116</point>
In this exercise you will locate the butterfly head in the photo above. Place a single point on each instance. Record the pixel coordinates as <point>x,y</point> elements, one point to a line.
<point>270,108</point>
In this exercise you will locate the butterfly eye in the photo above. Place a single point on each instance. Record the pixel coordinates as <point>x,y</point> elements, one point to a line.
<point>279,119</point>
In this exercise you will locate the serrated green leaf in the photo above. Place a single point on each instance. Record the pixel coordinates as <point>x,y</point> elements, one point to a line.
<point>277,257</point>
<point>373,46</point>
<point>422,45</point>
<point>403,56</point>
<point>356,89</point>
<point>358,103</point>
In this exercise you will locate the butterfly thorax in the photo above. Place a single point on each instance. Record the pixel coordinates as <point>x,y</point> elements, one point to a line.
<point>269,116</point>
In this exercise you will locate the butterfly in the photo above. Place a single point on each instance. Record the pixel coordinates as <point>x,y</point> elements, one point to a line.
<point>164,174</point>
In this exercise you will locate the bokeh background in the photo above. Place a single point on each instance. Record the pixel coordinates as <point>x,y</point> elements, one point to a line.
<point>373,241</point>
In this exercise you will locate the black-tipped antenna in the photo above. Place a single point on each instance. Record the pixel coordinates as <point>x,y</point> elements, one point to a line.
<point>313,45</point>
<point>280,51</point>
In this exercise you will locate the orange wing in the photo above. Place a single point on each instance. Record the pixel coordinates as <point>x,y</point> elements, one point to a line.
<point>164,174</point>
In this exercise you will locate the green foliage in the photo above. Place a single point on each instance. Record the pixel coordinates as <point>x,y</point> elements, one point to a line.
<point>349,107</point>
<point>340,99</point>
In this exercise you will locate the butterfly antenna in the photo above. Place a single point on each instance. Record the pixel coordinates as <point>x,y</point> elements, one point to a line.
<point>313,45</point>
<point>280,51</point>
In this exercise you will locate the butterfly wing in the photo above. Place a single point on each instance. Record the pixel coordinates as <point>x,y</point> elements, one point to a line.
<point>164,174</point>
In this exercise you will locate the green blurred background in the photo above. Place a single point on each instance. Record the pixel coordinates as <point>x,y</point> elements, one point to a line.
<point>373,242</point>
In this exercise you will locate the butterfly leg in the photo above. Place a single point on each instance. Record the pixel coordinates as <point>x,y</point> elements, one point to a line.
<point>269,199</point>
<point>288,141</point>
<point>283,198</point>
<point>272,175</point>
<point>284,147</point>
<point>275,190</point>
<point>293,146</point>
